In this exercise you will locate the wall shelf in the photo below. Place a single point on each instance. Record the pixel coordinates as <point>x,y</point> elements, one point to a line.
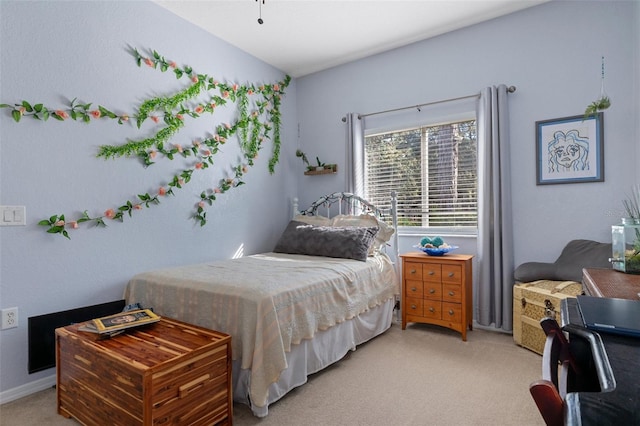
<point>322,172</point>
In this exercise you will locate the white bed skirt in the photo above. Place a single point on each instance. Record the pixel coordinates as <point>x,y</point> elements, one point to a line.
<point>311,356</point>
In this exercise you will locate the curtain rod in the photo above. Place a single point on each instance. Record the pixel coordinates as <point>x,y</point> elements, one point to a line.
<point>510,89</point>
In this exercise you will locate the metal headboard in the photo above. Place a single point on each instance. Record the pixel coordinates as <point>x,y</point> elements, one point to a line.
<point>346,203</point>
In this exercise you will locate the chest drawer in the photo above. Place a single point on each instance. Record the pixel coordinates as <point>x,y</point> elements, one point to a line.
<point>451,293</point>
<point>432,272</point>
<point>452,274</point>
<point>413,271</point>
<point>414,289</point>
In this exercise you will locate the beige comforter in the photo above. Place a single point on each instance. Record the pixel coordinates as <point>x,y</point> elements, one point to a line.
<point>266,302</point>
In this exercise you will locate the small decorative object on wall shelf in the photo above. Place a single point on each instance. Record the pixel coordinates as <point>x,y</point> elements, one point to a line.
<point>319,169</point>
<point>602,103</point>
<point>258,119</point>
<point>570,150</point>
<point>327,169</point>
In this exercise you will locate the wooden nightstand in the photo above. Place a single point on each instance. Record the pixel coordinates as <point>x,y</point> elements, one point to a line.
<point>437,290</point>
<point>168,372</point>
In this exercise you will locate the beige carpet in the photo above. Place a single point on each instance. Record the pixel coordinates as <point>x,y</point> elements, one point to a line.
<point>425,375</point>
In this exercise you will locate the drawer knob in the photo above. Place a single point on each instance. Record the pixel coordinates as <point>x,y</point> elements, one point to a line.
<point>450,311</point>
<point>432,290</point>
<point>413,271</point>
<point>432,309</point>
<point>451,293</point>
<point>414,307</point>
<point>432,272</point>
<point>451,274</point>
<point>414,289</point>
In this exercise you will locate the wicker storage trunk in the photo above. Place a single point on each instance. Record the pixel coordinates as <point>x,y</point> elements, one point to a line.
<point>533,301</point>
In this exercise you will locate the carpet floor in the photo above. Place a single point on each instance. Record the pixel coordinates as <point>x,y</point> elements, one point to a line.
<point>424,375</point>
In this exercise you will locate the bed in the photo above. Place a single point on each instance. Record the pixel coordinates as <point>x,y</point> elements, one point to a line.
<point>328,286</point>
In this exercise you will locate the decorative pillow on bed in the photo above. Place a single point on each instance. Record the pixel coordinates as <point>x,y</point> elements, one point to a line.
<point>344,242</point>
<point>313,220</point>
<point>385,232</point>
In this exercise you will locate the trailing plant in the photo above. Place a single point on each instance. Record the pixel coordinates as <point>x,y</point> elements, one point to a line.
<point>253,102</point>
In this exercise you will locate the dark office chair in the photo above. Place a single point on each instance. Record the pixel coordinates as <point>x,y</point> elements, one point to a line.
<point>549,393</point>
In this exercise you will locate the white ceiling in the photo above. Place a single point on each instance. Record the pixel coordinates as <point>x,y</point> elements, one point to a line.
<point>300,37</point>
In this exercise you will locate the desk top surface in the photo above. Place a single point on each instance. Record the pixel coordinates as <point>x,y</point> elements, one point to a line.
<point>611,283</point>
<point>622,404</point>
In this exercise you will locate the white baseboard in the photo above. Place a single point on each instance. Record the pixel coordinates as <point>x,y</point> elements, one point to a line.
<point>27,389</point>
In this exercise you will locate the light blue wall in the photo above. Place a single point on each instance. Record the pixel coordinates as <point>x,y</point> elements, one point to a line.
<point>54,51</point>
<point>552,53</point>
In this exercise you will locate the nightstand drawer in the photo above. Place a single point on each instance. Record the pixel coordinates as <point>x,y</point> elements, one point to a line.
<point>452,274</point>
<point>451,312</point>
<point>432,309</point>
<point>413,271</point>
<point>413,306</point>
<point>431,272</point>
<point>451,293</point>
<point>414,289</point>
<point>432,290</point>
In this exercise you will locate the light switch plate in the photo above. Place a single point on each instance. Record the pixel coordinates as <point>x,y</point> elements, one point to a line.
<point>13,215</point>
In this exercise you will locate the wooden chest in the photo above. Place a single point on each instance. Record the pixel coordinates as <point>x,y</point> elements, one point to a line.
<point>437,290</point>
<point>166,373</point>
<point>534,301</point>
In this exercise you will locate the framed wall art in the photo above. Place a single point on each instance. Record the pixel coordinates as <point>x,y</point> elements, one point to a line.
<point>570,150</point>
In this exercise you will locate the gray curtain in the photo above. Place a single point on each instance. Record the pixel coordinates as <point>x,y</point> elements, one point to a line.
<point>494,287</point>
<point>354,166</point>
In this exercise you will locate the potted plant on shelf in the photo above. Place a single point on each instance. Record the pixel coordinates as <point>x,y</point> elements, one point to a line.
<point>305,160</point>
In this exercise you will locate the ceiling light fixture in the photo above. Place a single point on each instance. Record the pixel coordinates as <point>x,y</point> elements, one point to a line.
<point>260,3</point>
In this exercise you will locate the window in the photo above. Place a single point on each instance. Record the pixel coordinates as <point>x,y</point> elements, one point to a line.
<point>433,170</point>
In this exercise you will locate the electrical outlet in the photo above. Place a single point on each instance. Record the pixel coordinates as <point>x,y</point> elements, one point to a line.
<point>9,318</point>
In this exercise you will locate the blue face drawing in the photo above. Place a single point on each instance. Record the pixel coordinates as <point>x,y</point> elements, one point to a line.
<point>568,152</point>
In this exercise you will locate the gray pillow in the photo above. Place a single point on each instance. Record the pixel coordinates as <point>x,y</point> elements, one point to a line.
<point>342,242</point>
<point>576,255</point>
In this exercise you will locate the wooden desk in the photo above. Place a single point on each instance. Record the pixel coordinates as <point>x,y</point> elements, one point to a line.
<point>610,283</point>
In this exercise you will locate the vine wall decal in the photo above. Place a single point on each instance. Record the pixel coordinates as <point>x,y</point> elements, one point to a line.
<point>258,118</point>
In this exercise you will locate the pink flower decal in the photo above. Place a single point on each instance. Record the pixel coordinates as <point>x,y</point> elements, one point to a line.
<point>178,147</point>
<point>95,113</point>
<point>59,223</point>
<point>110,213</point>
<point>155,119</point>
<point>234,87</point>
<point>206,153</point>
<point>225,94</point>
<point>198,166</point>
<point>179,117</point>
<point>172,64</point>
<point>74,224</point>
<point>201,204</point>
<point>152,154</point>
<point>196,143</point>
<point>148,62</point>
<point>162,191</point>
<point>217,190</point>
<point>212,105</point>
<point>250,92</point>
<point>194,79</point>
<point>199,109</point>
<point>245,169</point>
<point>137,207</point>
<point>22,110</point>
<point>124,117</point>
<point>62,114</point>
<point>276,87</point>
